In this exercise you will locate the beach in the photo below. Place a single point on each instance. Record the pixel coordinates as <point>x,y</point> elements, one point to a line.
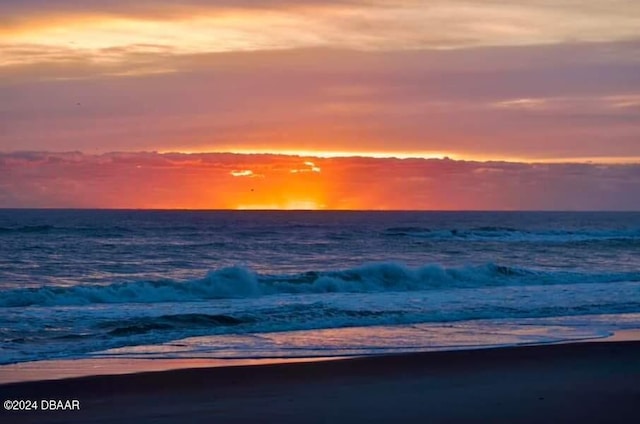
<point>320,211</point>
<point>576,382</point>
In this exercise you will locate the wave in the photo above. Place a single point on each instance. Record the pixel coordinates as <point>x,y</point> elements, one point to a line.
<point>106,231</point>
<point>27,229</point>
<point>141,325</point>
<point>514,234</point>
<point>241,282</point>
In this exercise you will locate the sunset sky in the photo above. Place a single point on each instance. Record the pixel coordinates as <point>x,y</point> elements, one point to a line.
<point>333,104</point>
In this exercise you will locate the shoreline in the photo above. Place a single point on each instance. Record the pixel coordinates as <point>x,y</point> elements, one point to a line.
<point>583,381</point>
<point>63,369</point>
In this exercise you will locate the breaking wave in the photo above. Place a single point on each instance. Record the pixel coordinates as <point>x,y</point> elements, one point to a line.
<point>241,282</point>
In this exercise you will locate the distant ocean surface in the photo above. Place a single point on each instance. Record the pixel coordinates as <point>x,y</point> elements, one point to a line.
<point>250,284</point>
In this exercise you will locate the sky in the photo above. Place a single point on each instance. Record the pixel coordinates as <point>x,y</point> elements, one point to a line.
<point>405,104</point>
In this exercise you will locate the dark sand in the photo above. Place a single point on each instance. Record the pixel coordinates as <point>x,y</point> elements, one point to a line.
<point>570,383</point>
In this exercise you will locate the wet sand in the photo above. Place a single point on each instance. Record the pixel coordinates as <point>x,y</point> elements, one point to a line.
<point>567,383</point>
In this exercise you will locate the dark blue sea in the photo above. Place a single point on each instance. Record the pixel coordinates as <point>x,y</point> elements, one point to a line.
<point>254,284</point>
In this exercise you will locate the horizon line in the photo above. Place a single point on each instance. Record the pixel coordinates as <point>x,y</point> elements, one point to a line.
<point>8,208</point>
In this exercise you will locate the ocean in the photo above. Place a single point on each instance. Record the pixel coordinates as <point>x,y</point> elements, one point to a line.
<point>287,284</point>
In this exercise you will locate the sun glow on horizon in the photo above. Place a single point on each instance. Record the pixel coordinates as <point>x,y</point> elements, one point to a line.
<point>292,205</point>
<point>288,184</point>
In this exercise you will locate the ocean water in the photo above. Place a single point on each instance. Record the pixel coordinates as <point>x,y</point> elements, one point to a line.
<point>249,284</point>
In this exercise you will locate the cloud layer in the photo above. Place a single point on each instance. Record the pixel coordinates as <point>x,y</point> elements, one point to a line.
<point>210,181</point>
<point>501,79</point>
<point>208,26</point>
<point>534,103</point>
